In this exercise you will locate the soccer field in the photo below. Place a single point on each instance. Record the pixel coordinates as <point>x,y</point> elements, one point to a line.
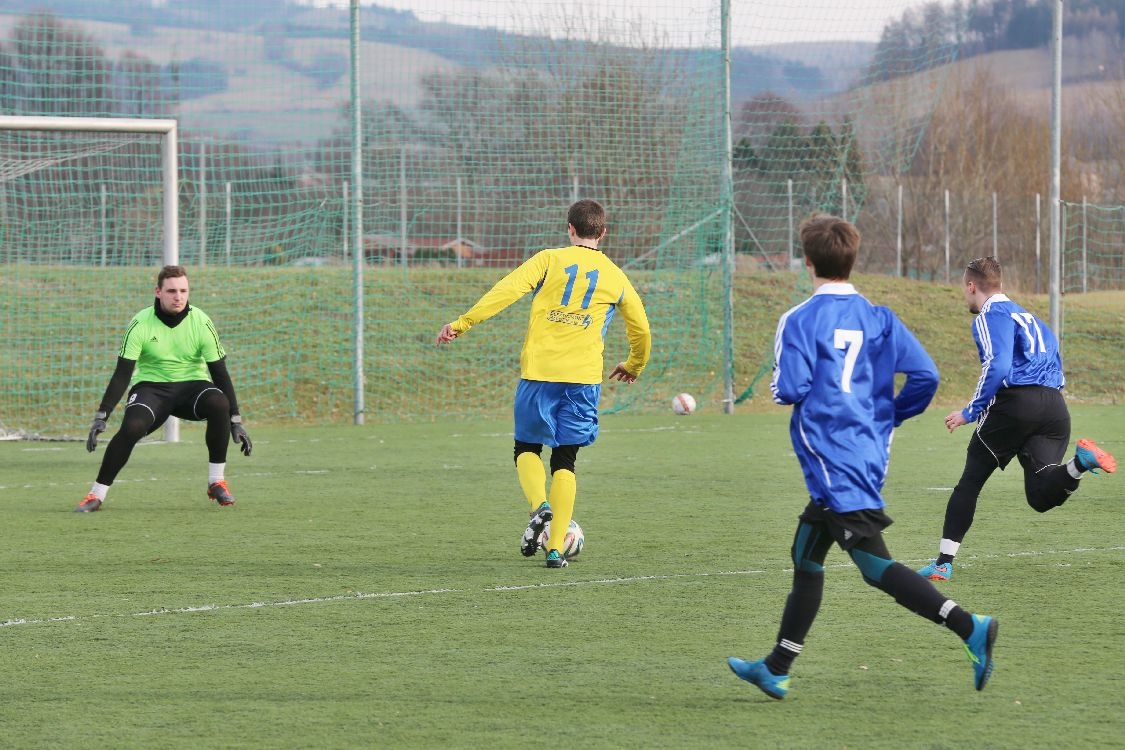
<point>366,591</point>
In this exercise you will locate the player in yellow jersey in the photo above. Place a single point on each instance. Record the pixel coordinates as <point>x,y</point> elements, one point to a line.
<point>180,371</point>
<point>576,292</point>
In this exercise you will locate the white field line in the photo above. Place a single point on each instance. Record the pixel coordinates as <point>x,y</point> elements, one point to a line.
<point>360,596</point>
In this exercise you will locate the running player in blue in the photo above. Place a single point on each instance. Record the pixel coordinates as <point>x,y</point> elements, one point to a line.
<point>1019,410</point>
<point>576,292</point>
<point>836,356</point>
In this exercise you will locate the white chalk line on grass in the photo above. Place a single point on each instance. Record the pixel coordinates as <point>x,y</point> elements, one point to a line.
<point>361,596</point>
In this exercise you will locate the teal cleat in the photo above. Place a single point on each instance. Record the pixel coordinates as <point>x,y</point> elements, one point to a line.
<point>936,572</point>
<point>555,560</point>
<point>757,673</point>
<point>1092,458</point>
<point>979,648</point>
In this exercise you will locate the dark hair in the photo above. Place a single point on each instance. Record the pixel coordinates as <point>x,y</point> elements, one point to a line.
<point>830,244</point>
<point>985,273</point>
<point>169,272</point>
<point>588,219</point>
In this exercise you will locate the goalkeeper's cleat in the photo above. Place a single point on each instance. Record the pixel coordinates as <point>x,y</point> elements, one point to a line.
<point>220,493</point>
<point>555,560</point>
<point>91,503</point>
<point>1092,458</point>
<point>757,673</point>
<point>979,648</point>
<point>529,544</point>
<point>937,572</point>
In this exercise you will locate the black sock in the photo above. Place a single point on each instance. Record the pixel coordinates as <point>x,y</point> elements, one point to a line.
<point>943,558</point>
<point>780,660</point>
<point>959,621</point>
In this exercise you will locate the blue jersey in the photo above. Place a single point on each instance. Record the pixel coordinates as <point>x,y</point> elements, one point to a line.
<point>1016,348</point>
<point>836,356</point>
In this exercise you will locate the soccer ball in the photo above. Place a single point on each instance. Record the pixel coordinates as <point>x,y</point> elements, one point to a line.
<point>573,542</point>
<point>683,404</point>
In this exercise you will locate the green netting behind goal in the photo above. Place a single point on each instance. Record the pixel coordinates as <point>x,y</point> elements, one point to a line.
<point>478,129</point>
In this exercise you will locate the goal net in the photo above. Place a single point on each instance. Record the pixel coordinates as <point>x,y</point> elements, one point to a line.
<point>80,198</point>
<point>480,123</point>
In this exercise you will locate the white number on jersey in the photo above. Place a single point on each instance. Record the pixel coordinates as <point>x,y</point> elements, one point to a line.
<point>1031,330</point>
<point>850,341</point>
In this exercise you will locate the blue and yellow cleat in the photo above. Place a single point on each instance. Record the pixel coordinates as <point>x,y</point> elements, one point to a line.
<point>1092,458</point>
<point>935,572</point>
<point>757,673</point>
<point>979,648</point>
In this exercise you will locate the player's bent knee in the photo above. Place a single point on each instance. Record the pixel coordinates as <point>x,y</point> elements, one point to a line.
<point>564,457</point>
<point>522,447</point>
<point>871,566</point>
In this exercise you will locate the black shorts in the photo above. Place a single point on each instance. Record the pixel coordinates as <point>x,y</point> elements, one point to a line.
<point>848,529</point>
<point>165,400</point>
<point>1032,419</point>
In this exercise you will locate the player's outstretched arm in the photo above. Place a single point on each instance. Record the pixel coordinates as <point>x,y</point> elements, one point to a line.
<point>620,373</point>
<point>446,334</point>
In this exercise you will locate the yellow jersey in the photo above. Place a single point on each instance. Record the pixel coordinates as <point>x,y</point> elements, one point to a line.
<point>577,291</point>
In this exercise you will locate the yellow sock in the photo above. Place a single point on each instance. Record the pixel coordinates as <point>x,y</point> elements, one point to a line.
<point>533,478</point>
<point>564,486</point>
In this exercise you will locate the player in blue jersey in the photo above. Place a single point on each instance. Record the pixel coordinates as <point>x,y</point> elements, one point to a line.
<point>836,356</point>
<point>1019,410</point>
<point>576,292</point>
<point>172,356</point>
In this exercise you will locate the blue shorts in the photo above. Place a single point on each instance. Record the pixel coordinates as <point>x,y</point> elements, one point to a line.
<point>555,414</point>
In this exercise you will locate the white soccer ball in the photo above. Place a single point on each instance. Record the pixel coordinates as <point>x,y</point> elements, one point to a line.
<point>683,404</point>
<point>573,542</point>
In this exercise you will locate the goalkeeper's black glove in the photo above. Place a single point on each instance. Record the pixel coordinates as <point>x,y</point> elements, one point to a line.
<point>96,429</point>
<point>239,436</point>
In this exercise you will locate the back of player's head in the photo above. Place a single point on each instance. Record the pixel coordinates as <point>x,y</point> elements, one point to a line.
<point>830,244</point>
<point>169,272</point>
<point>588,219</point>
<point>985,273</point>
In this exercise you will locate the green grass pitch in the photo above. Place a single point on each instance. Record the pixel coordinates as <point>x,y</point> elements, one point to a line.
<point>366,591</point>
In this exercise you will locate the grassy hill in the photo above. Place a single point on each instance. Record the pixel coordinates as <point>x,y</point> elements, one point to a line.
<point>290,338</point>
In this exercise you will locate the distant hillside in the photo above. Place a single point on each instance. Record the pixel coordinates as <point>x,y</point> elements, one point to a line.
<point>256,48</point>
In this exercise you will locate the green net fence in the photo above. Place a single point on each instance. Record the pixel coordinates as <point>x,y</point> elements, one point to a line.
<point>479,123</point>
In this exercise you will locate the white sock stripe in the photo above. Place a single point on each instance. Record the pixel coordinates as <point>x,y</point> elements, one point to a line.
<point>946,608</point>
<point>790,645</point>
<point>948,547</point>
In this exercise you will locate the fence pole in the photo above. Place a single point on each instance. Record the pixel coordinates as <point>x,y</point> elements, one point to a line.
<point>947,277</point>
<point>995,236</point>
<point>1085,218</point>
<point>460,235</point>
<point>794,264</point>
<point>228,207</point>
<point>1038,240</point>
<point>202,204</point>
<point>358,258</point>
<point>898,236</point>
<point>105,233</point>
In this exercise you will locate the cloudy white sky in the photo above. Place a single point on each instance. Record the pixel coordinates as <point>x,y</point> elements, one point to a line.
<point>753,22</point>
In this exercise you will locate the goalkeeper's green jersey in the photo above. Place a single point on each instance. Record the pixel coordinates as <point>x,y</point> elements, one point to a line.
<point>171,355</point>
<point>577,291</point>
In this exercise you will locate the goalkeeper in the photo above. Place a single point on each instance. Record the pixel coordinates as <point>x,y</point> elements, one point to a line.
<point>180,371</point>
<point>576,291</point>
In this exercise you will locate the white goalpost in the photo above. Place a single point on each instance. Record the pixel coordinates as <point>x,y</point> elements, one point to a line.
<point>13,166</point>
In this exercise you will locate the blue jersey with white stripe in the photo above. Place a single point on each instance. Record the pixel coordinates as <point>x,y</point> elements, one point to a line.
<point>1016,348</point>
<point>836,356</point>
